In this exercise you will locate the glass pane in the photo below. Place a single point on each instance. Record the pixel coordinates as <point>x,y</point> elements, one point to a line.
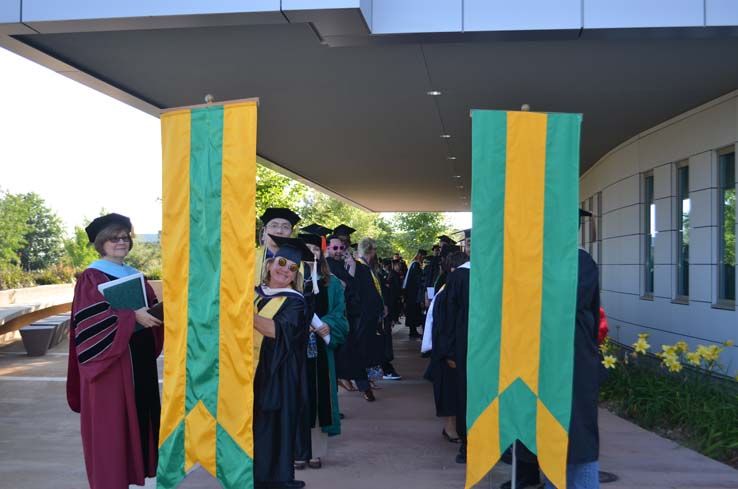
<point>650,231</point>
<point>684,206</point>
<point>727,226</point>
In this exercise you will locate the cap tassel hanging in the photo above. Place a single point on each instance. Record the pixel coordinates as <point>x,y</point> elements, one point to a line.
<point>315,276</point>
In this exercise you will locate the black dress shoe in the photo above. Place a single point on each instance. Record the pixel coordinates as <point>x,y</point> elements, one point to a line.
<point>341,416</point>
<point>369,395</point>
<point>293,484</point>
<point>522,482</point>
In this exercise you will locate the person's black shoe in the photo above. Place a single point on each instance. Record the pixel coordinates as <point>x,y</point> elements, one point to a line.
<point>369,395</point>
<point>460,459</point>
<point>425,355</point>
<point>522,482</point>
<point>293,484</point>
<point>341,415</point>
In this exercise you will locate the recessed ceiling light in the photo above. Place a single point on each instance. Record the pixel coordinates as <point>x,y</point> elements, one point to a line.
<point>445,136</point>
<point>434,93</point>
<point>450,157</point>
<point>456,176</point>
<point>459,186</point>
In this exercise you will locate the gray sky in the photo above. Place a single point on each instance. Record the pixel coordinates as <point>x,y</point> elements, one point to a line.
<point>82,151</point>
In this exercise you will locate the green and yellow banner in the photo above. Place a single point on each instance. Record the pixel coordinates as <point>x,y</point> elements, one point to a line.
<point>209,186</point>
<point>523,284</point>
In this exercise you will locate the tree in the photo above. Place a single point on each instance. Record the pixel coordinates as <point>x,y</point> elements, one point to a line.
<point>78,251</point>
<point>44,237</point>
<point>276,190</point>
<point>13,227</point>
<point>417,230</point>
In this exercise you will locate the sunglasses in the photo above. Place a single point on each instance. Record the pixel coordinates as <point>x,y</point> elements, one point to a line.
<point>120,239</point>
<point>282,262</point>
<point>336,248</point>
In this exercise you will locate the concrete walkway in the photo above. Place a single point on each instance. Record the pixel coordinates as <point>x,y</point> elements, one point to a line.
<point>394,442</point>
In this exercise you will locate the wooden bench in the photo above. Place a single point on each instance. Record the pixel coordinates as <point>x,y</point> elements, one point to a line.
<point>46,333</point>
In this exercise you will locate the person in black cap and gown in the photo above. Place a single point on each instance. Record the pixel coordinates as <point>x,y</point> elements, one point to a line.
<point>279,387</point>
<point>414,294</point>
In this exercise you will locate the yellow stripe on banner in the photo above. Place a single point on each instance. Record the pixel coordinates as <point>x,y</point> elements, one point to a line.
<point>175,246</point>
<point>523,244</point>
<point>238,211</point>
<point>552,442</point>
<point>483,444</point>
<point>200,439</point>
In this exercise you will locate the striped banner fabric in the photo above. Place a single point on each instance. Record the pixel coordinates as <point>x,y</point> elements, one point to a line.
<point>523,282</point>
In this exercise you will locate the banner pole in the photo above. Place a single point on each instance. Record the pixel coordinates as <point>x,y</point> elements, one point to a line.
<point>513,481</point>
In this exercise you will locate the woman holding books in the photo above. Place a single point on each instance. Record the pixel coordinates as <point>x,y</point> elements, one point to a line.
<point>112,378</point>
<point>279,315</point>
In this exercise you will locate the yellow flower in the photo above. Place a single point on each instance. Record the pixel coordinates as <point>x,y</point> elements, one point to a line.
<point>681,346</point>
<point>729,343</point>
<point>609,361</point>
<point>693,357</point>
<point>736,376</point>
<point>641,345</point>
<point>674,366</point>
<point>643,336</point>
<point>669,350</point>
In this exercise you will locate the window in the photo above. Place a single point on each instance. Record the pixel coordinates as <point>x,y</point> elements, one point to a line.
<point>683,207</point>
<point>598,230</point>
<point>726,228</point>
<point>591,233</point>
<point>649,231</point>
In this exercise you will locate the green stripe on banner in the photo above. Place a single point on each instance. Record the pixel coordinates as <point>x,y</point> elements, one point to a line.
<point>235,468</point>
<point>170,471</point>
<point>203,321</point>
<point>518,406</point>
<point>560,265</point>
<point>489,143</point>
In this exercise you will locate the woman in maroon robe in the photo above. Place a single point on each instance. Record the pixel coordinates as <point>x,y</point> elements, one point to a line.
<point>112,378</point>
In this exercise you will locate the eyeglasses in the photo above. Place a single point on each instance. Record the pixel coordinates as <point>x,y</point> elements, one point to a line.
<point>275,225</point>
<point>120,239</point>
<point>336,248</point>
<point>282,262</point>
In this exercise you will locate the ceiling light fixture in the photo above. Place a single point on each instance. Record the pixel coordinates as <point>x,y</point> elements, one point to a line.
<point>455,176</point>
<point>434,93</point>
<point>450,157</point>
<point>445,136</point>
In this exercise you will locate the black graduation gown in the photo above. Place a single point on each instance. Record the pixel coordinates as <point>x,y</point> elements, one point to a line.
<point>413,291</point>
<point>277,392</point>
<point>365,345</point>
<point>455,331</point>
<point>443,377</point>
<point>318,381</point>
<point>391,291</point>
<point>344,364</point>
<point>584,438</point>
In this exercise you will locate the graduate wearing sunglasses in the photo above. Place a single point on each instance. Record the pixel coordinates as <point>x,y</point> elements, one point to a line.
<point>278,391</point>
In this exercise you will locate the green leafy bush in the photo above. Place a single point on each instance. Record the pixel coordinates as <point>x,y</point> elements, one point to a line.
<point>13,277</point>
<point>690,403</point>
<point>55,274</point>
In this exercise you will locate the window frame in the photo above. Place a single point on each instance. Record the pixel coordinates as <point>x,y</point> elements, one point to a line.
<point>723,302</point>
<point>681,272</point>
<point>647,248</point>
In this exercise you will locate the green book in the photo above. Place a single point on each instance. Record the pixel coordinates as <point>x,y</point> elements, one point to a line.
<point>126,293</point>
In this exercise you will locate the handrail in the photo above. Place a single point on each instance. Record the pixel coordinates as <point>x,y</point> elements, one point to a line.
<point>22,320</point>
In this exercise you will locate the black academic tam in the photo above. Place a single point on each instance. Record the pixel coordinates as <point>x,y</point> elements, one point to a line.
<point>293,249</point>
<point>100,223</point>
<point>279,213</point>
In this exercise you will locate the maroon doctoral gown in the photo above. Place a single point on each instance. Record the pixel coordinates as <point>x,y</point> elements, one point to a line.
<point>112,382</point>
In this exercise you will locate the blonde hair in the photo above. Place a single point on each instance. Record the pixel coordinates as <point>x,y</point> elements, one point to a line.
<point>266,273</point>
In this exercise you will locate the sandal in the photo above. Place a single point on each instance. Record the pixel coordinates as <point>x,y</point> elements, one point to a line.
<point>315,463</point>
<point>346,384</point>
<point>299,464</point>
<point>448,437</point>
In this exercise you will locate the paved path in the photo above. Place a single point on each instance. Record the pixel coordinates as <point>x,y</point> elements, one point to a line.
<point>394,442</point>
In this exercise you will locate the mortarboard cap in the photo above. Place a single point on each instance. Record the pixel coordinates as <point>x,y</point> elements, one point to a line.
<point>293,249</point>
<point>316,229</point>
<point>312,239</point>
<point>279,213</point>
<point>343,230</point>
<point>445,239</point>
<point>100,223</point>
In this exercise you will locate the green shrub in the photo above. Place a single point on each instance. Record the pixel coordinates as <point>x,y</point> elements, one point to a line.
<point>13,277</point>
<point>55,274</point>
<point>694,406</point>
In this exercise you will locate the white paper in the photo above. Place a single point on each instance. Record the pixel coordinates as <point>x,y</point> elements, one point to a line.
<point>431,292</point>
<point>316,322</point>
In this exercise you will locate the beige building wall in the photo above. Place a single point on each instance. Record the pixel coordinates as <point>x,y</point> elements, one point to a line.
<point>614,190</point>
